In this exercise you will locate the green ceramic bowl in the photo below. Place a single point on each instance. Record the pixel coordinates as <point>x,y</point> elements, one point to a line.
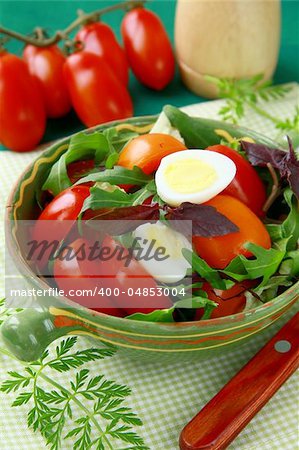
<point>28,333</point>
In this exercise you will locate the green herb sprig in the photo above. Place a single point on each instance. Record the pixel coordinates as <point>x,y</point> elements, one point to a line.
<point>88,411</point>
<point>247,93</point>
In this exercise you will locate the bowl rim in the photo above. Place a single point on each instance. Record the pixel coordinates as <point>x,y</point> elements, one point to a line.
<point>12,246</point>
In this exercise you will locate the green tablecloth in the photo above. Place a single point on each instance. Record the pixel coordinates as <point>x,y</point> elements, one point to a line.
<point>166,398</point>
<point>23,16</point>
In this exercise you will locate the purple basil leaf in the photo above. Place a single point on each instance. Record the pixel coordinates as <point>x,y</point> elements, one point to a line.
<point>123,218</point>
<point>285,162</point>
<point>206,220</point>
<point>261,155</point>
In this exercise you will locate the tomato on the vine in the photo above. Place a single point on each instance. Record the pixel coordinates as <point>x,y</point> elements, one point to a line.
<point>99,38</point>
<point>72,277</point>
<point>22,110</point>
<point>148,48</point>
<point>46,64</point>
<point>247,185</point>
<point>218,251</point>
<point>96,94</point>
<point>146,151</point>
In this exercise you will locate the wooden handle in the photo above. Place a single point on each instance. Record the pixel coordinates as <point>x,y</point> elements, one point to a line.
<point>226,414</point>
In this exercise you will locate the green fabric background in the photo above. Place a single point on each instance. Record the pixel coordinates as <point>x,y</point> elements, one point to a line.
<point>24,15</point>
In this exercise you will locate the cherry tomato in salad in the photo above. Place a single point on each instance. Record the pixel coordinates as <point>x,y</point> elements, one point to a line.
<point>99,38</point>
<point>96,94</point>
<point>247,185</point>
<point>22,111</point>
<point>148,48</point>
<point>66,205</point>
<point>230,301</point>
<point>130,278</point>
<point>220,250</point>
<point>71,277</point>
<point>146,151</point>
<point>46,64</point>
<point>63,210</point>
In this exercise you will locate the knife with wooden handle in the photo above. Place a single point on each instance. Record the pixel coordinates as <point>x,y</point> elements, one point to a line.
<point>226,414</point>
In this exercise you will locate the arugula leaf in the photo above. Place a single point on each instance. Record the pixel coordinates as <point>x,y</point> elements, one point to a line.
<point>264,265</point>
<point>118,139</point>
<point>270,289</point>
<point>159,315</point>
<point>274,231</point>
<point>290,264</point>
<point>118,175</point>
<point>285,162</point>
<point>117,198</point>
<point>204,270</point>
<point>199,301</point>
<point>282,244</point>
<point>100,198</point>
<point>82,145</point>
<point>206,220</point>
<point>196,301</point>
<point>113,155</point>
<point>290,227</point>
<point>166,315</point>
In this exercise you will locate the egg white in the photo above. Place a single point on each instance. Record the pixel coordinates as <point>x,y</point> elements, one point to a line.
<point>224,167</point>
<point>170,270</point>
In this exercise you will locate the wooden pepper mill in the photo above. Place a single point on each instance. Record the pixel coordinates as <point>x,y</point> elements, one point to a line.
<point>226,38</point>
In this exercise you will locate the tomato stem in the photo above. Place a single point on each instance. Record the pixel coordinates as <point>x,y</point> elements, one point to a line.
<point>3,40</point>
<point>63,34</point>
<point>40,34</point>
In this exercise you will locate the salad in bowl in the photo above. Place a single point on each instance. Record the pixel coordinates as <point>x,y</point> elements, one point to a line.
<point>174,236</point>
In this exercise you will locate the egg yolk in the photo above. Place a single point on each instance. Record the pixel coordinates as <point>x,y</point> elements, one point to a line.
<point>189,176</point>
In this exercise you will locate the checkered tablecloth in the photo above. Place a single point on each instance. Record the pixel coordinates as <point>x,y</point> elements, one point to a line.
<point>166,398</point>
